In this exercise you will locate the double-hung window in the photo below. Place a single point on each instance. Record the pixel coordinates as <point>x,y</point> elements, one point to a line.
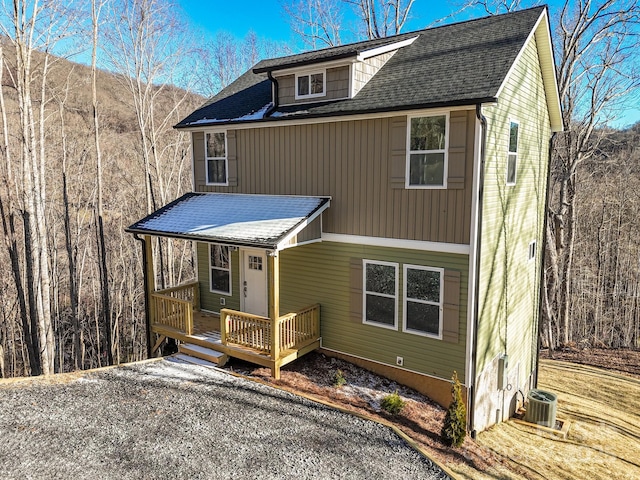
<point>427,151</point>
<point>380,294</point>
<point>219,268</point>
<point>423,300</point>
<point>512,156</point>
<point>309,85</point>
<point>216,157</point>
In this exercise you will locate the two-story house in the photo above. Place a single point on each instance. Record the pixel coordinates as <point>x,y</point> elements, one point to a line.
<point>383,201</point>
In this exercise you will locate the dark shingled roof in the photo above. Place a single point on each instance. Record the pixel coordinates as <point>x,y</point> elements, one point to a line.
<point>458,64</point>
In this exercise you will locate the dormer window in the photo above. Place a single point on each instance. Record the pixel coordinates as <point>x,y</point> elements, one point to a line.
<point>312,84</point>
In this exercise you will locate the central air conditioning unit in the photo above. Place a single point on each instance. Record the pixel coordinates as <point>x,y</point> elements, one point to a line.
<point>541,408</point>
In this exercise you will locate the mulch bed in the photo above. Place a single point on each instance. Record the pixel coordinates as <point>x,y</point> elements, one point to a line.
<point>421,418</point>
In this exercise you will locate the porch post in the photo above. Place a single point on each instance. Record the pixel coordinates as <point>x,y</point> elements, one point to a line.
<point>274,285</point>
<point>274,309</point>
<point>150,285</point>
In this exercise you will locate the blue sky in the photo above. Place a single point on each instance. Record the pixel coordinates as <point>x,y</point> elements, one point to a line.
<point>267,19</point>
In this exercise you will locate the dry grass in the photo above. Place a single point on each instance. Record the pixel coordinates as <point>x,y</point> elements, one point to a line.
<point>604,438</point>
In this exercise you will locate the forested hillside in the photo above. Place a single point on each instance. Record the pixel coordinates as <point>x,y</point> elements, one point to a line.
<point>85,153</point>
<point>605,303</point>
<point>53,198</point>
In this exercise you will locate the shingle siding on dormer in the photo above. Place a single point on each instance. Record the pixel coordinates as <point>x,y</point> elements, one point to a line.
<point>365,70</point>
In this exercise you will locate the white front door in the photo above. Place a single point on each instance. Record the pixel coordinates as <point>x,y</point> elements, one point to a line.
<point>253,291</point>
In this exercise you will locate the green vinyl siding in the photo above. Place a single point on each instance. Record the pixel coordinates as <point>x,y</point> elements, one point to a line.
<point>211,300</point>
<point>512,217</point>
<point>320,273</point>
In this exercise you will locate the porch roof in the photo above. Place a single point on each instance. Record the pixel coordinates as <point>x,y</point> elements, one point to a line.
<point>264,221</point>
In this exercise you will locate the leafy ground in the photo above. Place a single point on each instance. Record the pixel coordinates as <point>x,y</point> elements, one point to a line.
<point>603,408</point>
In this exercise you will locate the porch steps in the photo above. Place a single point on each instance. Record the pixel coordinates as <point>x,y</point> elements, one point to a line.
<point>204,353</point>
<point>184,358</point>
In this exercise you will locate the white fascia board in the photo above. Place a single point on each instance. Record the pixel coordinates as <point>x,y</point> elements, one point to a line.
<point>335,118</point>
<point>545,52</point>
<point>283,243</point>
<point>385,48</point>
<point>438,247</point>
<point>547,67</point>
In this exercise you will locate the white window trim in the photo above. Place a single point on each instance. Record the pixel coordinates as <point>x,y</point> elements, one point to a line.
<point>211,267</point>
<point>365,292</point>
<point>532,246</point>
<point>509,153</point>
<point>440,304</point>
<point>225,158</point>
<point>308,73</point>
<point>445,171</point>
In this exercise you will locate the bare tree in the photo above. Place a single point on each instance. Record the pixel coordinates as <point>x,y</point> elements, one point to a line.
<point>382,18</point>
<point>319,23</point>
<point>9,214</point>
<point>102,248</point>
<point>224,59</point>
<point>316,22</point>
<point>34,26</point>
<point>597,47</point>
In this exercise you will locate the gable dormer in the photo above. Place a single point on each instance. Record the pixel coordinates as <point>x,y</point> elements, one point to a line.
<point>314,83</point>
<point>337,73</point>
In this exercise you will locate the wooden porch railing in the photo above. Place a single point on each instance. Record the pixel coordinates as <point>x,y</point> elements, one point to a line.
<point>246,330</point>
<point>172,312</point>
<point>291,331</point>
<point>300,328</point>
<point>173,307</point>
<point>188,291</point>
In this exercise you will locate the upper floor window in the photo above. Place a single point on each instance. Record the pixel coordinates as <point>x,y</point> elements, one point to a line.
<point>512,156</point>
<point>423,300</point>
<point>309,85</point>
<point>427,151</point>
<point>216,157</point>
<point>380,293</point>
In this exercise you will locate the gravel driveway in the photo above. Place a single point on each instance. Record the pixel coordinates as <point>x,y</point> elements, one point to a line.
<point>168,419</point>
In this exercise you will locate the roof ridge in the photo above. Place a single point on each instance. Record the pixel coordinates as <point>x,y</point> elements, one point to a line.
<point>351,47</point>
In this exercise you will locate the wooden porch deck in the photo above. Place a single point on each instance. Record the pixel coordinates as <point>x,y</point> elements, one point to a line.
<point>270,343</point>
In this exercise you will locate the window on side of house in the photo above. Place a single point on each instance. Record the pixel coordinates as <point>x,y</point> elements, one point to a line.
<point>427,151</point>
<point>219,269</point>
<point>216,157</point>
<point>512,155</point>
<point>380,294</point>
<point>309,85</point>
<point>423,300</point>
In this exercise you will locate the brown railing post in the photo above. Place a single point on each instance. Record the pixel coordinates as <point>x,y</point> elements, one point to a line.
<point>223,325</point>
<point>316,320</point>
<point>188,321</point>
<point>196,296</point>
<point>275,338</point>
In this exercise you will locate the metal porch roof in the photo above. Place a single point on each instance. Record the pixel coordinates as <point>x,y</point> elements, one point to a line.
<point>263,221</point>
